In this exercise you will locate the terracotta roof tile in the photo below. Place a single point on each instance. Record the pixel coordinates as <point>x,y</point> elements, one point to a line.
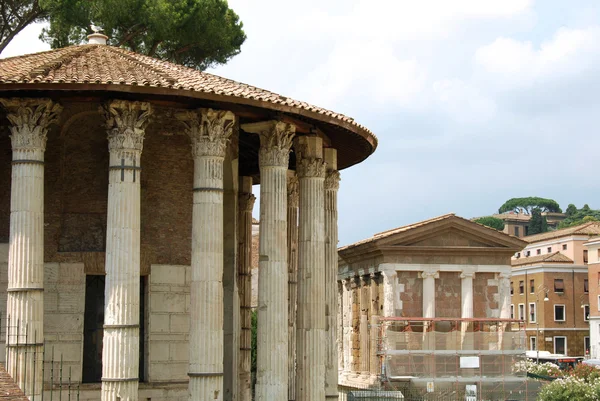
<point>555,257</point>
<point>102,64</point>
<point>591,228</point>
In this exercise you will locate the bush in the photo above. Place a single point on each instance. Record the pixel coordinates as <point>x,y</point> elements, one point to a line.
<point>570,389</point>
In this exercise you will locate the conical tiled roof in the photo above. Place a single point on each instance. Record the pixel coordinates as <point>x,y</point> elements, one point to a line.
<point>95,67</point>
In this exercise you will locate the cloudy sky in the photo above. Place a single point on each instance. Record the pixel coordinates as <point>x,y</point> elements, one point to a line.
<point>474,102</point>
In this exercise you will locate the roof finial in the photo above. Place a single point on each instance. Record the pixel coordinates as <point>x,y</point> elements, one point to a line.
<point>97,38</point>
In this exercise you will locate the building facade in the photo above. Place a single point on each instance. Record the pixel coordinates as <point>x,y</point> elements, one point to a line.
<point>126,229</point>
<point>550,290</point>
<point>446,273</point>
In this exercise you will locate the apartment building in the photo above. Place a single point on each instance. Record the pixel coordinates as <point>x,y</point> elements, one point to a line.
<point>550,289</point>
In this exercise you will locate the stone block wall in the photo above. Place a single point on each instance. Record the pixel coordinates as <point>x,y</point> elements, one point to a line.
<point>168,323</point>
<point>409,294</point>
<point>448,295</point>
<point>3,287</point>
<point>486,299</point>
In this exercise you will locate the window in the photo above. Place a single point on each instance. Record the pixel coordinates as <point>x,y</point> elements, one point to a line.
<point>532,312</point>
<point>528,253</point>
<point>559,285</point>
<point>586,285</point>
<point>512,311</point>
<point>599,304</point>
<point>526,230</point>
<point>586,345</point>
<point>521,311</point>
<point>512,290</point>
<point>533,343</point>
<point>518,255</point>
<point>585,256</point>
<point>564,247</point>
<point>532,286</point>
<point>560,345</point>
<point>521,287</point>
<point>586,312</point>
<point>516,231</point>
<point>559,313</point>
<point>539,251</point>
<point>549,249</point>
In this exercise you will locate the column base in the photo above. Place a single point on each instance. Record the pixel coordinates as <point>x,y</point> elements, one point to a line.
<point>120,390</point>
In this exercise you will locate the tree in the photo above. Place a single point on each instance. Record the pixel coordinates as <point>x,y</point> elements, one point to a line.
<point>195,33</point>
<point>492,222</point>
<point>526,205</point>
<point>537,223</point>
<point>580,216</point>
<point>15,15</point>
<point>571,210</point>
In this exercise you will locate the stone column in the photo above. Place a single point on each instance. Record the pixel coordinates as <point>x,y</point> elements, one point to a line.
<point>332,185</point>
<point>125,123</point>
<point>466,307</point>
<point>245,206</point>
<point>311,271</point>
<point>340,327</point>
<point>272,334</point>
<point>504,304</point>
<point>292,237</point>
<point>429,292</point>
<point>355,332</point>
<point>374,323</point>
<point>347,322</point>
<point>365,308</point>
<point>209,131</point>
<point>29,120</point>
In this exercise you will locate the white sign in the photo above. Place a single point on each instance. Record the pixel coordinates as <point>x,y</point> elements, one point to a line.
<point>469,362</point>
<point>471,392</point>
<point>430,387</point>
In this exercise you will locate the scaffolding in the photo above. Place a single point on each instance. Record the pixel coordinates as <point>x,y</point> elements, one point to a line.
<point>451,355</point>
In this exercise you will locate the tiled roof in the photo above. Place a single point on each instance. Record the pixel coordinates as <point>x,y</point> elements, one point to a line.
<point>591,228</point>
<point>512,216</point>
<point>9,391</point>
<point>107,65</point>
<point>555,257</point>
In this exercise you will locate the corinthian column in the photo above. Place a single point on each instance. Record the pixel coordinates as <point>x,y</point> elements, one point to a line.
<point>292,237</point>
<point>311,271</point>
<point>125,124</point>
<point>331,185</point>
<point>246,204</point>
<point>272,334</point>
<point>504,304</point>
<point>429,293</point>
<point>466,307</point>
<point>209,131</point>
<point>29,119</point>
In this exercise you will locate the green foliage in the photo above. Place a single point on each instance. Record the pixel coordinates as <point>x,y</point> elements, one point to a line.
<point>195,33</point>
<point>571,210</point>
<point>587,373</point>
<point>525,205</point>
<point>492,222</point>
<point>538,223</point>
<point>570,389</point>
<point>580,216</point>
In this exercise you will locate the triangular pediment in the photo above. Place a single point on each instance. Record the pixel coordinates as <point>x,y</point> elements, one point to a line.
<point>448,231</point>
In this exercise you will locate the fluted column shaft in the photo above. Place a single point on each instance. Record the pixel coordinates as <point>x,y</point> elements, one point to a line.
<point>429,293</point>
<point>209,131</point>
<point>125,123</point>
<point>374,325</point>
<point>246,203</point>
<point>504,295</point>
<point>311,271</point>
<point>292,237</point>
<point>29,119</point>
<point>347,322</point>
<point>331,187</point>
<point>272,333</point>
<point>365,308</point>
<point>467,294</point>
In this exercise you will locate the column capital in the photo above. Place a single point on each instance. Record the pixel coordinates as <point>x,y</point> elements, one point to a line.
<point>365,279</point>
<point>30,119</point>
<point>332,180</point>
<point>292,191</point>
<point>246,202</point>
<point>210,130</point>
<point>504,276</point>
<point>429,274</point>
<point>312,167</point>
<point>125,124</point>
<point>275,142</point>
<point>467,275</point>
